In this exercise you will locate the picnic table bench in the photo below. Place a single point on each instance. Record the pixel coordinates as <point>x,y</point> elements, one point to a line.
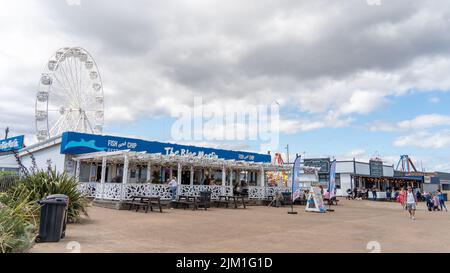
<point>186,201</point>
<point>269,200</point>
<point>145,202</point>
<point>235,200</point>
<point>332,201</point>
<point>220,202</point>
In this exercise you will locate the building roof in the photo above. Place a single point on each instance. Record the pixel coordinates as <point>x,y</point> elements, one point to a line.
<point>187,160</point>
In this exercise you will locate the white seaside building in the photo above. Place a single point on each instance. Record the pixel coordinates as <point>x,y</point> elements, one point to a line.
<point>99,163</point>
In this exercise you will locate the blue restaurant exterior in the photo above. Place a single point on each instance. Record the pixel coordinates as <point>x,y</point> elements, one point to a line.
<point>114,168</point>
<point>80,143</point>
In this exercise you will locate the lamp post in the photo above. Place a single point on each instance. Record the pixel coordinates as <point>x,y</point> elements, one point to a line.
<point>287,153</point>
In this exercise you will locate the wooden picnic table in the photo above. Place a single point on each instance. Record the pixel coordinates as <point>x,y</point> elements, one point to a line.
<point>220,202</point>
<point>231,199</point>
<point>186,201</point>
<point>145,202</point>
<point>236,199</point>
<point>332,201</point>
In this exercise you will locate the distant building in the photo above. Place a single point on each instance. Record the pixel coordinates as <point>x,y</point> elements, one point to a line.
<point>351,174</point>
<point>444,181</point>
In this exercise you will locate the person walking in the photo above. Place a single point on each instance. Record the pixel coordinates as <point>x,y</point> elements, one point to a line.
<point>411,201</point>
<point>429,201</point>
<point>374,193</point>
<point>419,195</point>
<point>402,198</point>
<point>396,195</point>
<point>388,194</point>
<point>435,202</point>
<point>173,188</point>
<point>441,198</point>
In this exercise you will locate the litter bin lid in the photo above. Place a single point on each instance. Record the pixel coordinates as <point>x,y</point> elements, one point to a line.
<point>57,197</point>
<point>59,202</point>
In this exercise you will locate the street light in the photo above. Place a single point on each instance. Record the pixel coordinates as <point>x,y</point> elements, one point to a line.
<point>287,153</point>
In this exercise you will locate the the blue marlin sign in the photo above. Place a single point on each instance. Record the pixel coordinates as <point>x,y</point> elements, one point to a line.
<point>78,143</point>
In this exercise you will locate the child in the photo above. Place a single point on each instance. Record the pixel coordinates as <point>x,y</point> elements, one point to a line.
<point>411,201</point>
<point>429,201</point>
<point>435,202</point>
<point>441,201</point>
<point>402,198</point>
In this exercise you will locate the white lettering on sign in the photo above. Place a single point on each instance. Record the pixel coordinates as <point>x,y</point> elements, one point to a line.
<point>186,152</point>
<point>112,143</point>
<point>131,145</point>
<point>168,150</point>
<point>125,144</point>
<point>11,144</point>
<point>246,157</point>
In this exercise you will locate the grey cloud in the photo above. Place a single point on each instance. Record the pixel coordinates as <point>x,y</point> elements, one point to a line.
<point>121,27</point>
<point>351,43</point>
<point>152,52</point>
<point>160,32</point>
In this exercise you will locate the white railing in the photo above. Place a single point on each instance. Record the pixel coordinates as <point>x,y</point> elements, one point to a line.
<point>256,192</point>
<point>215,190</point>
<point>119,191</point>
<point>88,189</point>
<point>271,191</point>
<point>112,191</point>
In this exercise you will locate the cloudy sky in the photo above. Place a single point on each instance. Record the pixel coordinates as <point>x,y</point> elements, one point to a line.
<point>352,78</point>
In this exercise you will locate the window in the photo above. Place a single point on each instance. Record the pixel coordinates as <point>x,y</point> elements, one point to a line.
<point>324,178</point>
<point>338,181</point>
<point>446,187</point>
<point>85,169</point>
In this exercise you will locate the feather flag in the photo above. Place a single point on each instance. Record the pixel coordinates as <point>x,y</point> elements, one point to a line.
<point>296,179</point>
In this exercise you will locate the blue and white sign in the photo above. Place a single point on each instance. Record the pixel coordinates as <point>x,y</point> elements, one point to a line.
<point>11,144</point>
<point>79,143</point>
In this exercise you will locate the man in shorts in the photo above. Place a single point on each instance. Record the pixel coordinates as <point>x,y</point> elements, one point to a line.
<point>411,203</point>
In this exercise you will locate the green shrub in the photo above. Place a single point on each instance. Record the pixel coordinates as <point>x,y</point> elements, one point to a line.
<point>7,180</point>
<point>18,199</point>
<point>19,211</point>
<point>43,183</point>
<point>17,225</point>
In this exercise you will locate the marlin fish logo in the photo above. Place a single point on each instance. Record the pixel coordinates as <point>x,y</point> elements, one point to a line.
<point>83,143</point>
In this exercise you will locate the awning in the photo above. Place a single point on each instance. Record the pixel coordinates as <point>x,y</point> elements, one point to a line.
<point>390,178</point>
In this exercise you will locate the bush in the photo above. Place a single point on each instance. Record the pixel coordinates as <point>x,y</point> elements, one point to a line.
<point>18,200</point>
<point>7,180</point>
<point>16,234</point>
<point>43,183</point>
<point>18,222</point>
<point>19,211</point>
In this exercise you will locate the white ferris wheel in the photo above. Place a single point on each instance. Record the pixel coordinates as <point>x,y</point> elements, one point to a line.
<point>70,95</point>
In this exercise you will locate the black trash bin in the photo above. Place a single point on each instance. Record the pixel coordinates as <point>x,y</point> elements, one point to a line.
<point>204,199</point>
<point>53,218</point>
